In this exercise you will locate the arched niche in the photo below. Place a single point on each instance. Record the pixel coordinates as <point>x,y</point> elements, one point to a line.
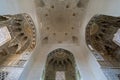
<point>17,33</point>
<point>100,33</point>
<point>60,63</point>
<point>100,38</point>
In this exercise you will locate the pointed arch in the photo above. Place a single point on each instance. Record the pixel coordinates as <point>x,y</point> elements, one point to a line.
<point>60,60</point>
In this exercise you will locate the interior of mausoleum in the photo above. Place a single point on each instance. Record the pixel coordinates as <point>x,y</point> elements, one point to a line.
<point>59,39</point>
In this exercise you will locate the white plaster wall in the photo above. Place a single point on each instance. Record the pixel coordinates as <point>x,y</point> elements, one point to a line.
<point>80,58</point>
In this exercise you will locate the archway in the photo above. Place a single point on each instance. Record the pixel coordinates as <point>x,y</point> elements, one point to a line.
<point>60,65</point>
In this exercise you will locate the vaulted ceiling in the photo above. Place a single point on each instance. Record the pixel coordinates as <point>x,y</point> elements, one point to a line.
<point>60,20</point>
